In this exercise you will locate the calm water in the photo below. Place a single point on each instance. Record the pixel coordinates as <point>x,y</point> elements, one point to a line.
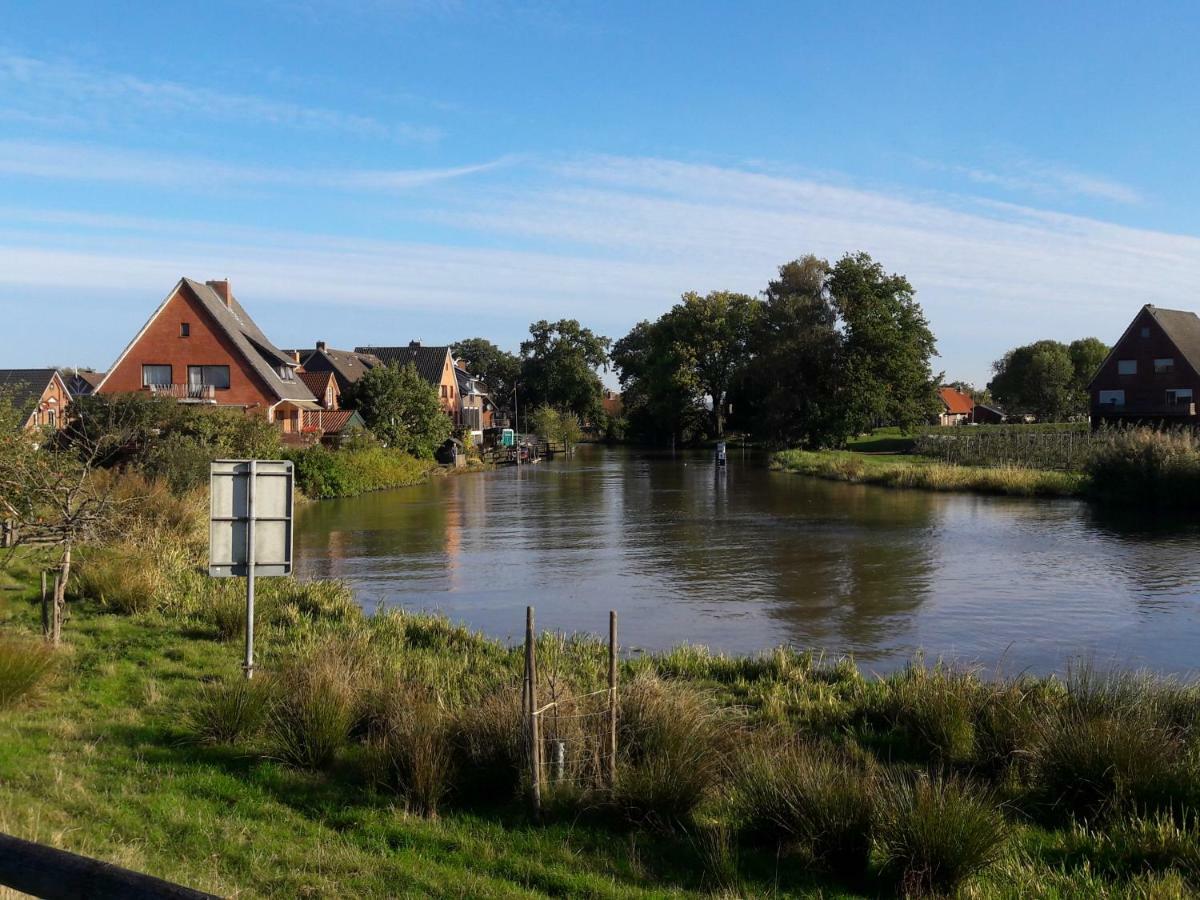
<point>748,559</point>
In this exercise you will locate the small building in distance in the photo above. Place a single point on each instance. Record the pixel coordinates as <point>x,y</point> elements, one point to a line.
<point>81,382</point>
<point>956,407</point>
<point>1152,374</point>
<point>200,346</point>
<point>987,415</point>
<point>39,396</point>
<point>613,403</point>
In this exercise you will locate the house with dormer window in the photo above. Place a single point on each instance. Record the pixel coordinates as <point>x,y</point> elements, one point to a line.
<point>200,346</point>
<point>1152,374</point>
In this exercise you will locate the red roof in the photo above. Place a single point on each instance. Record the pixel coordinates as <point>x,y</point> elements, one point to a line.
<point>330,421</point>
<point>957,403</point>
<point>316,382</point>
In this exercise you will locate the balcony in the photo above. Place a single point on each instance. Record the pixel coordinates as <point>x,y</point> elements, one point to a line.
<point>1135,410</point>
<point>185,393</point>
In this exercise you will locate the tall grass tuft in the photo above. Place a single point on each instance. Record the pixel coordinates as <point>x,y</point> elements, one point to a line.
<point>318,705</point>
<point>812,797</point>
<point>934,710</point>
<point>1147,466</point>
<point>935,832</point>
<point>25,665</point>
<point>410,747</point>
<point>670,740</point>
<point>231,710</point>
<point>489,746</point>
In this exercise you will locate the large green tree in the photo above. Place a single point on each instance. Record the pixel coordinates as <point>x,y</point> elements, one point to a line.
<point>401,408</point>
<point>1087,354</point>
<point>884,374</point>
<point>1047,379</point>
<point>661,398</point>
<point>712,337</point>
<point>559,368</point>
<point>791,391</point>
<point>498,368</point>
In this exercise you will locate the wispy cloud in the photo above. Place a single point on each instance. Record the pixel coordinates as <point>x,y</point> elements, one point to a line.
<point>37,85</point>
<point>81,162</point>
<point>1045,180</point>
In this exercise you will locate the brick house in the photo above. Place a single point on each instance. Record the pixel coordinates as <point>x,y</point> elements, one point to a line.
<point>347,366</point>
<point>324,386</point>
<point>1152,374</point>
<point>40,396</point>
<point>434,364</point>
<point>201,347</point>
<point>476,412</point>
<point>957,407</point>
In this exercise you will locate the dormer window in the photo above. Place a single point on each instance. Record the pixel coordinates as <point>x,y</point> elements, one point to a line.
<point>286,373</point>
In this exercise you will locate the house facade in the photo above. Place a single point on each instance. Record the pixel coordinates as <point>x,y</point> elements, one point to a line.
<point>39,396</point>
<point>957,407</point>
<point>201,347</point>
<point>434,364</point>
<point>1152,374</point>
<point>476,411</point>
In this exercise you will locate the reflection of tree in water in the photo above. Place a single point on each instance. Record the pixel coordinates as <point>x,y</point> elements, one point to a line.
<point>1151,548</point>
<point>840,565</point>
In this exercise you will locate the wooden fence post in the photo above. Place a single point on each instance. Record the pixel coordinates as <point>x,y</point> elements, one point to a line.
<point>56,619</point>
<point>45,609</point>
<point>612,698</point>
<point>534,739</point>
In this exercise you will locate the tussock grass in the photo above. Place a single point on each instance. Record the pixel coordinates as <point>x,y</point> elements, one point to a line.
<point>1014,481</point>
<point>26,664</point>
<point>410,747</point>
<point>318,705</point>
<point>935,832</point>
<point>231,710</point>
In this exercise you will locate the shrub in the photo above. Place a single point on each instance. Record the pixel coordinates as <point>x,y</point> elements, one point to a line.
<point>410,749</point>
<point>317,706</point>
<point>811,796</point>
<point>25,664</point>
<point>934,832</point>
<point>1146,466</point>
<point>322,473</point>
<point>231,710</point>
<point>671,754</point>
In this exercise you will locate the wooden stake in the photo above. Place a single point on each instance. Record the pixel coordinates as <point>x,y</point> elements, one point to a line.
<point>45,608</point>
<point>535,742</point>
<point>56,622</point>
<point>612,697</point>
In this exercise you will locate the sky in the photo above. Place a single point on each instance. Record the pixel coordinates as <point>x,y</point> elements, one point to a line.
<point>379,171</point>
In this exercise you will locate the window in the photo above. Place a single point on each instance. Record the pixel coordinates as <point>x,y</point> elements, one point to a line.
<point>185,329</point>
<point>1145,331</point>
<point>208,376</point>
<point>1112,398</point>
<point>444,391</point>
<point>1126,366</point>
<point>1164,365</point>
<point>51,418</point>
<point>1179,396</point>
<point>153,376</point>
<point>286,373</point>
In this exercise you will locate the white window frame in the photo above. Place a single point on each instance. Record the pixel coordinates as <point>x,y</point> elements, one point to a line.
<point>1112,398</point>
<point>1126,366</point>
<point>1176,395</point>
<point>146,382</point>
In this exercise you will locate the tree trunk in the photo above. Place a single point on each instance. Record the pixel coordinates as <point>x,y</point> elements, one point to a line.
<point>719,412</point>
<point>60,596</point>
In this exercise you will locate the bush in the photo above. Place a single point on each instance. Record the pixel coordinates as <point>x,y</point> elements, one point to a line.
<point>318,705</point>
<point>671,754</point>
<point>322,473</point>
<point>231,710</point>
<point>409,747</point>
<point>935,832</point>
<point>810,796</point>
<point>25,665</point>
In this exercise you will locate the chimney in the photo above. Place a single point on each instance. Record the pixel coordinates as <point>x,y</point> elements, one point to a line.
<point>296,355</point>
<point>223,290</point>
<point>416,343</point>
<point>321,346</point>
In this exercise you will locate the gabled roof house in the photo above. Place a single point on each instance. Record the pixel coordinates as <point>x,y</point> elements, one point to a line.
<point>39,396</point>
<point>434,364</point>
<point>346,365</point>
<point>201,346</point>
<point>957,407</point>
<point>1152,374</point>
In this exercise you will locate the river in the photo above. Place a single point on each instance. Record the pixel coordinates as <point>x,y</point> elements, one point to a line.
<point>747,559</point>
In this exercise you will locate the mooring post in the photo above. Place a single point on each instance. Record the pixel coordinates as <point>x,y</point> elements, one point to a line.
<point>535,750</point>
<point>612,697</point>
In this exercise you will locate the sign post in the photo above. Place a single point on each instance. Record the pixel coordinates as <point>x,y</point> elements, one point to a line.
<point>250,526</point>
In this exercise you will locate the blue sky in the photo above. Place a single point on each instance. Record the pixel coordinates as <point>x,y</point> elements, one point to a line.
<point>373,171</point>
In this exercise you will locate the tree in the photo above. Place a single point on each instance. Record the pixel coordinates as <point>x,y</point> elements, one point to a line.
<point>402,409</point>
<point>559,366</point>
<point>498,368</point>
<point>659,394</point>
<point>887,345</point>
<point>1046,378</point>
<point>556,426</point>
<point>1087,355</point>
<point>790,392</point>
<point>712,336</point>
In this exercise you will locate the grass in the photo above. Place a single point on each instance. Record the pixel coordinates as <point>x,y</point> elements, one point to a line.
<point>25,666</point>
<point>911,472</point>
<point>384,757</point>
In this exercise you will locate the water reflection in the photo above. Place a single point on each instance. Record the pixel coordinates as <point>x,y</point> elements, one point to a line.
<point>745,559</point>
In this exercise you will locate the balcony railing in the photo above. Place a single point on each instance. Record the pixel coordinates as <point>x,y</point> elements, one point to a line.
<point>185,393</point>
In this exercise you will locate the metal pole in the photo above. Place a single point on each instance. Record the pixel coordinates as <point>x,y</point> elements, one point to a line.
<point>249,665</point>
<point>535,761</point>
<point>612,697</point>
<point>516,423</point>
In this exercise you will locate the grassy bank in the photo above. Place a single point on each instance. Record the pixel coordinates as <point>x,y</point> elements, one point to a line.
<point>324,474</point>
<point>383,757</point>
<point>914,472</point>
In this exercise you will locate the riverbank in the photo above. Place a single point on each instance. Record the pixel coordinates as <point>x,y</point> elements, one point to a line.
<point>382,756</point>
<point>902,471</point>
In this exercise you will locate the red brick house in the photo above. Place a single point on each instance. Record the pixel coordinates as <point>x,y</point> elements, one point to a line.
<point>201,346</point>
<point>347,366</point>
<point>324,386</point>
<point>957,407</point>
<point>1152,374</point>
<point>39,396</point>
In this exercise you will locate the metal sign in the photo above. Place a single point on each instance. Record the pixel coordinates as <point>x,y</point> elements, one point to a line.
<point>250,524</point>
